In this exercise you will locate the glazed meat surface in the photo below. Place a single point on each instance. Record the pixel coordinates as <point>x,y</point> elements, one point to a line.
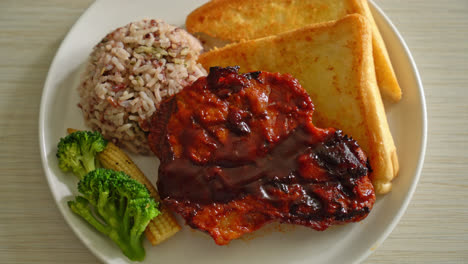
<point>240,150</point>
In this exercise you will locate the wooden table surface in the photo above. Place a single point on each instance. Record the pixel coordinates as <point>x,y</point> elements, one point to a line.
<point>434,228</point>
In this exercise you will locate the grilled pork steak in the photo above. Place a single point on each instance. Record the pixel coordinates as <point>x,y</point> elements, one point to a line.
<point>240,150</point>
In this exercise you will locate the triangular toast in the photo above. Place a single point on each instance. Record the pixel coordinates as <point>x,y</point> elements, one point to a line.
<point>333,62</point>
<point>227,21</point>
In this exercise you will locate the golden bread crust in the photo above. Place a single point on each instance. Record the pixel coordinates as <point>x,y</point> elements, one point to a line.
<point>386,78</point>
<point>234,21</point>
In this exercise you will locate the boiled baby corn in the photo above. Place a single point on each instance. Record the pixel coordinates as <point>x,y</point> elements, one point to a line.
<point>164,225</point>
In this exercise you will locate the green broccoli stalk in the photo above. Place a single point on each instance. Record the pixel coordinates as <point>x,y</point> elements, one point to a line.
<point>116,206</point>
<point>77,152</point>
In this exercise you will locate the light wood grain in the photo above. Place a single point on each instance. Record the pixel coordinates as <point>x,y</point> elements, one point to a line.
<point>433,230</point>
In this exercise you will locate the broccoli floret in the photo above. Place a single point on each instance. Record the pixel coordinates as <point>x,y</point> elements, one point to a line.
<point>118,207</point>
<point>77,152</point>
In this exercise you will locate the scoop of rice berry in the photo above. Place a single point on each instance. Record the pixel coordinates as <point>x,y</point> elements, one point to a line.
<point>128,74</point>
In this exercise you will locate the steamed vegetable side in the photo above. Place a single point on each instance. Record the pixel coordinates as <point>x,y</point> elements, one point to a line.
<point>77,152</point>
<point>116,206</point>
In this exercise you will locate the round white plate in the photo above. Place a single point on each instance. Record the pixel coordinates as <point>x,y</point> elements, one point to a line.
<point>344,244</point>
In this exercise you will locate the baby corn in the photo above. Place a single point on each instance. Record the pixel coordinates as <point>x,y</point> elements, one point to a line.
<point>164,225</point>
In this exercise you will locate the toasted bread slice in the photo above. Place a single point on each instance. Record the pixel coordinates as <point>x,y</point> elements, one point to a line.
<point>333,62</point>
<point>233,21</point>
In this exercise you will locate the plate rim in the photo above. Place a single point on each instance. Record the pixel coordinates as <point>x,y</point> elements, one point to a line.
<point>41,134</point>
<point>383,236</point>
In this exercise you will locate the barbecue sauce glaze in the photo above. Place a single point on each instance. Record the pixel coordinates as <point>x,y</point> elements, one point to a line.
<point>230,136</point>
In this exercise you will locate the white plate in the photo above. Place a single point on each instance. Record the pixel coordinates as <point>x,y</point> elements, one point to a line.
<point>344,244</point>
